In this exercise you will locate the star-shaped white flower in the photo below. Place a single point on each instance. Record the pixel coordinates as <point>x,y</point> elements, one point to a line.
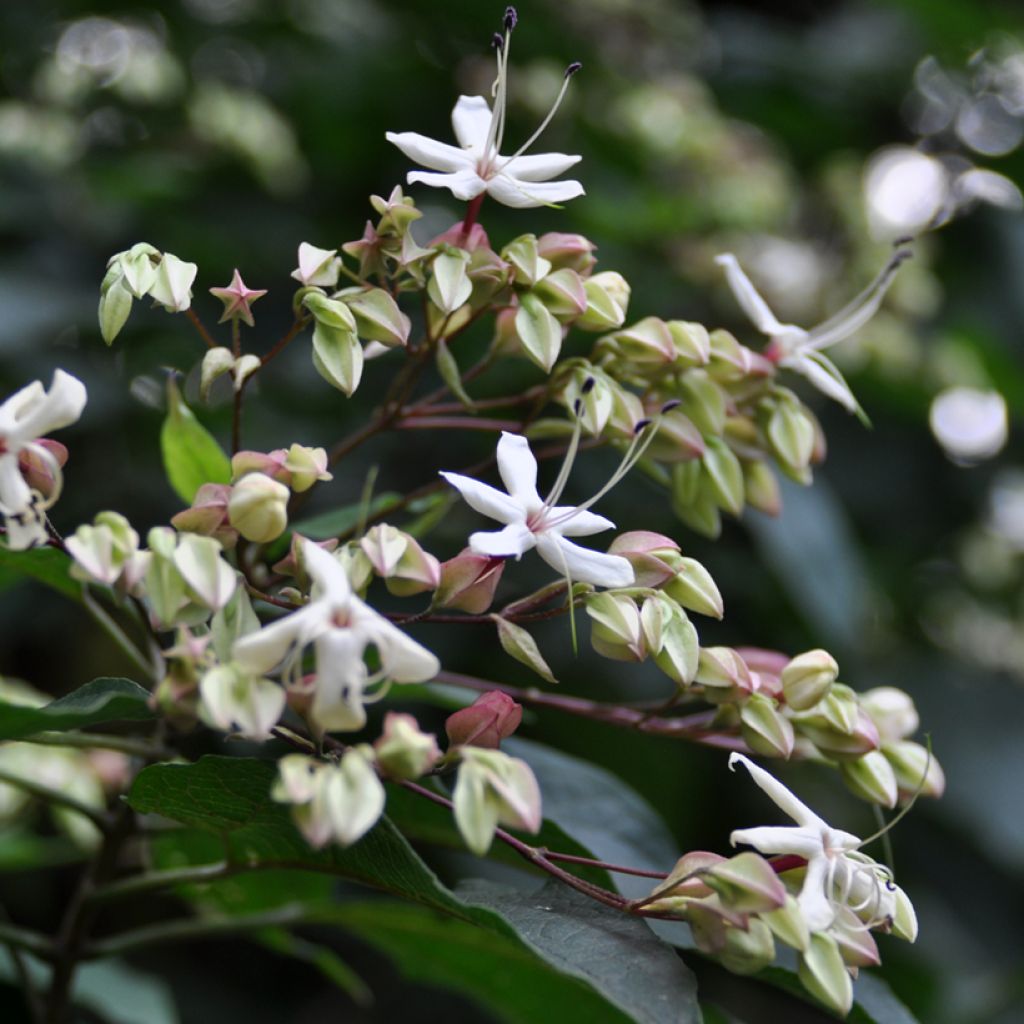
<point>533,522</point>
<point>26,416</point>
<point>798,349</point>
<point>477,167</point>
<point>838,874</point>
<point>340,627</point>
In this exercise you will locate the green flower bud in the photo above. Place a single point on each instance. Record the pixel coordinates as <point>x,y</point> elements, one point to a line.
<point>258,508</point>
<point>449,286</point>
<point>607,302</point>
<point>746,884</point>
<point>680,647</point>
<point>723,674</point>
<point>331,313</point>
<point>764,729</point>
<point>749,951</point>
<point>616,628</point>
<point>690,341</point>
<point>788,925</point>
<point>563,293</point>
<point>761,487</point>
<point>725,475</point>
<point>528,266</point>
<point>823,973</point>
<point>911,763</point>
<point>338,357</point>
<point>693,588</point>
<point>871,777</point>
<point>537,330</point>
<point>403,750</point>
<point>892,711</point>
<point>566,250</point>
<point>378,317</point>
<point>808,678</point>
<point>703,401</point>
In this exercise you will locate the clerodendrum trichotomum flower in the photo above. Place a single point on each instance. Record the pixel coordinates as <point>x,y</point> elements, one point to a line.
<point>340,627</point>
<point>800,350</point>
<point>476,166</point>
<point>24,418</point>
<point>838,874</point>
<point>535,522</point>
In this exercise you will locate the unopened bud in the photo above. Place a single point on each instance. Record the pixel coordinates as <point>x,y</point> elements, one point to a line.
<point>468,582</point>
<point>258,508</point>
<point>607,302</point>
<point>693,587</point>
<point>691,342</point>
<point>749,951</point>
<point>404,751</point>
<point>723,674</point>
<point>615,626</point>
<point>764,728</point>
<point>567,251</point>
<point>824,975</point>
<point>871,777</point>
<point>892,711</point>
<point>808,678</point>
<point>492,717</point>
<point>915,769</point>
<point>317,267</point>
<point>747,884</point>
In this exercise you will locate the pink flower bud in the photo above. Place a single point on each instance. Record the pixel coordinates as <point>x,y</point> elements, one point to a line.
<point>270,464</point>
<point>567,251</point>
<point>492,717</point>
<point>475,238</point>
<point>208,515</point>
<point>468,582</point>
<point>37,472</point>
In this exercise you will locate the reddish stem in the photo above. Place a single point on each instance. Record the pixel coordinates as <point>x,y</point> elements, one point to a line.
<point>200,327</point>
<point>455,423</point>
<point>472,212</point>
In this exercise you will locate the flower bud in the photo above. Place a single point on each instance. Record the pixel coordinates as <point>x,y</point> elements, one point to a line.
<point>690,341</point>
<point>567,251</point>
<point>746,883</point>
<point>693,587</point>
<point>164,585</point>
<point>808,678</point>
<point>648,553</point>
<point>378,317</point>
<point>306,466</point>
<point>494,789</point>
<point>329,312</point>
<point>591,396</point>
<point>563,293</point>
<point>791,435</point>
<point>648,342</point>
<point>836,743</point>
<point>822,972</point>
<point>911,763</point>
<point>677,439</point>
<point>139,268</point>
<point>871,777</point>
<point>492,717</point>
<point>210,579</point>
<point>761,487</point>
<point>400,561</point>
<point>216,363</point>
<point>607,302</point>
<point>615,628</point>
<point>317,267</point>
<point>537,331</point>
<point>892,711</point>
<point>723,674</point>
<point>748,951</point>
<point>403,750</point>
<point>468,582</point>
<point>702,400</point>
<point>788,925</point>
<point>208,515</point>
<point>731,361</point>
<point>764,729</point>
<point>396,212</point>
<point>449,286</point>
<point>38,470</point>
<point>172,286</point>
<point>528,266</point>
<point>258,508</point>
<point>231,700</point>
<point>904,917</point>
<point>724,474</point>
<point>678,657</point>
<point>855,942</point>
<point>102,551</point>
<point>338,357</point>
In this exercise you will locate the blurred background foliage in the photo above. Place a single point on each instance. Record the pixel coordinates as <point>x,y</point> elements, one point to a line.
<point>804,136</point>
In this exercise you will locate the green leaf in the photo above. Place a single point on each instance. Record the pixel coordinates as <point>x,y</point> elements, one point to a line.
<point>192,456</point>
<point>342,520</point>
<point>495,970</point>
<point>231,796</point>
<point>101,701</point>
<point>22,850</point>
<point>615,953</point>
<point>47,565</point>
<point>519,644</point>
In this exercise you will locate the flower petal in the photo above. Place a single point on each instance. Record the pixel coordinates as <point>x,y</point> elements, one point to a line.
<point>540,166</point>
<point>518,469</point>
<point>815,906</point>
<point>510,542</point>
<point>747,296</point>
<point>487,500</point>
<point>327,573</point>
<point>59,407</point>
<point>781,797</point>
<point>525,194</point>
<point>15,494</point>
<point>572,522</point>
<point>437,155</point>
<point>260,652</point>
<point>465,184</point>
<point>778,839</point>
<point>402,659</point>
<point>18,404</point>
<point>340,678</point>
<point>583,565</point>
<point>471,121</point>
<point>824,375</point>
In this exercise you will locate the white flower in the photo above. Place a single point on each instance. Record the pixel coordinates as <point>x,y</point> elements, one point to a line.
<point>172,286</point>
<point>319,267</point>
<point>799,350</point>
<point>26,416</point>
<point>340,627</point>
<point>838,874</point>
<point>340,801</point>
<point>230,699</point>
<point>533,522</point>
<point>477,167</point>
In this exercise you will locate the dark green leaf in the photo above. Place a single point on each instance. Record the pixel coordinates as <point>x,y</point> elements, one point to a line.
<point>616,953</point>
<point>192,456</point>
<point>496,970</point>
<point>103,700</point>
<point>47,565</point>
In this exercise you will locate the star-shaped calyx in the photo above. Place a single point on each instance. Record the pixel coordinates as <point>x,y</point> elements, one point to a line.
<point>237,299</point>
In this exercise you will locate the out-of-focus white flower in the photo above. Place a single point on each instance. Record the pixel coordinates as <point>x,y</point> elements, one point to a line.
<point>969,423</point>
<point>798,349</point>
<point>25,417</point>
<point>340,627</point>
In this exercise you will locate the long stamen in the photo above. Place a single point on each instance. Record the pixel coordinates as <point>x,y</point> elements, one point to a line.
<point>569,72</point>
<point>860,310</point>
<point>570,457</point>
<point>496,131</point>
